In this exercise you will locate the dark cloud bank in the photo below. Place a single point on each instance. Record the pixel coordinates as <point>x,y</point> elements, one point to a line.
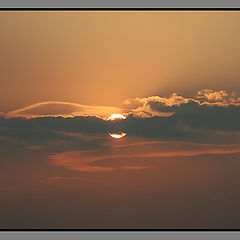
<point>190,121</point>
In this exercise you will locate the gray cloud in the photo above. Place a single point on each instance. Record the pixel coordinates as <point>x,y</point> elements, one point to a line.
<point>188,119</point>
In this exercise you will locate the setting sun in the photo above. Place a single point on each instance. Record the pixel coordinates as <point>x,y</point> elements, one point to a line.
<point>116,116</point>
<point>114,135</point>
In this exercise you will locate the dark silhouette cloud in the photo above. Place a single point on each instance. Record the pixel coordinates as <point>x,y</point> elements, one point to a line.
<point>186,119</point>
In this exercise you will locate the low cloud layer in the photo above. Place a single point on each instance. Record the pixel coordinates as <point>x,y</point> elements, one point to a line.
<point>154,106</point>
<point>210,116</point>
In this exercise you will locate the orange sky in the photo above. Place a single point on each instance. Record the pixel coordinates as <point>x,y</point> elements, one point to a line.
<point>175,78</point>
<point>103,58</point>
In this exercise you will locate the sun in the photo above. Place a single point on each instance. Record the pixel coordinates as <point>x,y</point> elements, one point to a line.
<point>116,116</point>
<point>115,130</point>
<point>114,135</point>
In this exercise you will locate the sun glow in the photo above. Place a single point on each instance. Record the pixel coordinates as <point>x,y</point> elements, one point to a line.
<point>116,116</point>
<point>114,135</point>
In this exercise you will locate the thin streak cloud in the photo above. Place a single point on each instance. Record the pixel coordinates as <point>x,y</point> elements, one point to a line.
<point>63,109</point>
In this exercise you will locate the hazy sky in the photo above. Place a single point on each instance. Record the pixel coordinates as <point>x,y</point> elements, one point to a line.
<point>103,58</point>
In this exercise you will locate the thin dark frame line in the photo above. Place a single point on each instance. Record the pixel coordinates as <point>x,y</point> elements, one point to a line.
<point>117,9</point>
<point>118,230</point>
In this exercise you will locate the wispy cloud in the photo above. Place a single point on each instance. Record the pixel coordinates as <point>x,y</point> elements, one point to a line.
<point>51,179</point>
<point>117,155</point>
<point>78,161</point>
<point>63,109</point>
<point>136,167</point>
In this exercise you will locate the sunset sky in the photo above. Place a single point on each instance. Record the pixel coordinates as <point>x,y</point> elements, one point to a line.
<point>172,161</point>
